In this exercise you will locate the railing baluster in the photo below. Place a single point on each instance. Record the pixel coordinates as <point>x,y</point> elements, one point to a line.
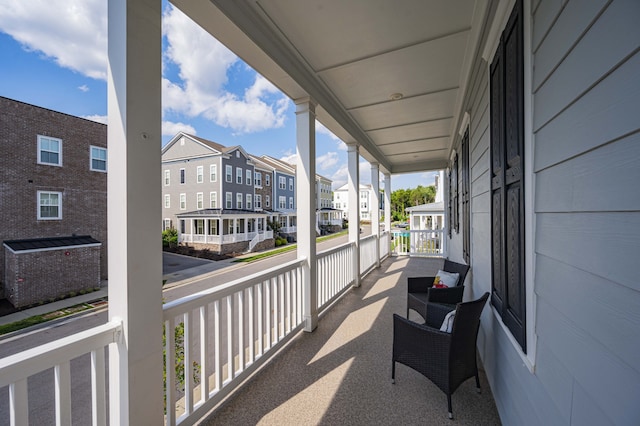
<point>204,343</point>
<point>62,374</point>
<point>260,330</point>
<point>170,384</point>
<point>241,364</point>
<point>19,403</point>
<point>281,327</point>
<point>267,310</point>
<point>98,388</point>
<point>217,352</point>
<point>276,335</point>
<point>251,325</point>
<point>230,369</point>
<point>188,364</point>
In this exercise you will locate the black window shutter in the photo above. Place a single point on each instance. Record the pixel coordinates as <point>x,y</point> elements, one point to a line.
<point>507,178</point>
<point>465,199</point>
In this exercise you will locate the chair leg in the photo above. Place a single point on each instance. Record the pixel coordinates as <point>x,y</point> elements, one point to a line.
<point>449,404</point>
<point>393,372</point>
<point>478,389</point>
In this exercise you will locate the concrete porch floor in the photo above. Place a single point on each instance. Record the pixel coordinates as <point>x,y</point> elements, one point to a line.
<point>341,373</point>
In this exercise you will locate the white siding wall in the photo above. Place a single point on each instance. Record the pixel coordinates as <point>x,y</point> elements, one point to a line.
<point>586,151</point>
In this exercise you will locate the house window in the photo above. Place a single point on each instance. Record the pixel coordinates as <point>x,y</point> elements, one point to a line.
<point>199,201</point>
<point>183,226</point>
<point>98,161</point>
<point>239,201</point>
<point>183,177</point>
<point>166,224</point>
<point>167,178</point>
<point>249,202</point>
<point>248,177</point>
<point>267,200</point>
<point>238,175</point>
<point>291,203</point>
<point>213,173</point>
<point>198,224</point>
<point>290,184</point>
<point>506,78</point>
<point>199,174</point>
<point>228,173</point>
<point>228,200</point>
<point>213,227</point>
<point>49,151</point>
<point>282,202</point>
<point>49,205</point>
<point>167,201</point>
<point>267,179</point>
<point>183,201</point>
<point>258,201</point>
<point>213,200</point>
<point>258,178</point>
<point>237,154</point>
<point>282,182</point>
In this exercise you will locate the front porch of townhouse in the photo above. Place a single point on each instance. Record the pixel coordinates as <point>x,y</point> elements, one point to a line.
<point>341,373</point>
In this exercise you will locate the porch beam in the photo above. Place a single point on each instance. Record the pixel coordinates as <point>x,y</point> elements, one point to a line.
<point>375,206</point>
<point>135,255</point>
<point>305,193</point>
<point>353,189</point>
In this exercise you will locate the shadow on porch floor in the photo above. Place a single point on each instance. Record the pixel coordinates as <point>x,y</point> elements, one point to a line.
<point>341,373</point>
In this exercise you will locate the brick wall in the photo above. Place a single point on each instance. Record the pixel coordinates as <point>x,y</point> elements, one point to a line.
<point>44,276</point>
<point>84,192</point>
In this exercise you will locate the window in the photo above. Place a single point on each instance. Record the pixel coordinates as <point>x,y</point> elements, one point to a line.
<point>213,200</point>
<point>198,225</point>
<point>199,174</point>
<point>166,224</point>
<point>167,201</point>
<point>237,154</point>
<point>213,173</point>
<point>267,179</point>
<point>183,177</point>
<point>291,203</point>
<point>267,200</point>
<point>228,200</point>
<point>49,151</point>
<point>506,91</point>
<point>239,201</point>
<point>249,202</point>
<point>213,227</point>
<point>199,201</point>
<point>167,177</point>
<point>258,178</point>
<point>282,182</point>
<point>228,173</point>
<point>248,177</point>
<point>183,201</point>
<point>98,159</point>
<point>290,184</point>
<point>183,226</point>
<point>282,202</point>
<point>258,201</point>
<point>49,205</point>
<point>239,175</point>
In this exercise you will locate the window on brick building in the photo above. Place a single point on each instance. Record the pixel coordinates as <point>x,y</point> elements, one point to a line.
<point>49,205</point>
<point>98,159</point>
<point>49,151</point>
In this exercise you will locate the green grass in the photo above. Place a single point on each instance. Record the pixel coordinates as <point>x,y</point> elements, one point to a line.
<point>284,249</point>
<point>38,319</point>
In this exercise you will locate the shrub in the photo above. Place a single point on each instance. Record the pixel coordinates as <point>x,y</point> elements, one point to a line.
<point>280,241</point>
<point>170,238</point>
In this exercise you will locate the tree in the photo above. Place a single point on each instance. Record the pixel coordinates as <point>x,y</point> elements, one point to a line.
<point>403,198</point>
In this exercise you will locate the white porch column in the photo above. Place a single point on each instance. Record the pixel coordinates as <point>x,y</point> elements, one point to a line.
<point>353,185</point>
<point>375,207</point>
<point>387,207</point>
<point>305,187</point>
<point>135,256</point>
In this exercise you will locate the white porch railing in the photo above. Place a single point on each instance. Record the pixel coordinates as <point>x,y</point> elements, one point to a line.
<point>368,253</point>
<point>334,273</point>
<point>227,332</point>
<point>421,243</point>
<point>384,245</point>
<point>15,371</point>
<point>330,222</point>
<point>288,229</point>
<point>199,238</point>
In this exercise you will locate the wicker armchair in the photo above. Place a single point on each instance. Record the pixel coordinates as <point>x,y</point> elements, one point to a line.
<point>447,359</point>
<point>420,294</point>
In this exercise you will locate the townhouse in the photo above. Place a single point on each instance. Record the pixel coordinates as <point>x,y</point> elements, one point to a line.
<point>366,199</point>
<point>53,203</point>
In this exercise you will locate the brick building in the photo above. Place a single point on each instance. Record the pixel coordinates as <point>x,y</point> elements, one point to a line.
<point>54,184</point>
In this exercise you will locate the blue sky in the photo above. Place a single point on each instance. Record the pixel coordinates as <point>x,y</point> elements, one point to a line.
<point>61,64</point>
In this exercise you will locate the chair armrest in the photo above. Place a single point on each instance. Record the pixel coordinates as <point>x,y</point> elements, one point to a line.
<point>450,295</point>
<point>419,284</point>
<point>418,336</point>
<point>436,314</point>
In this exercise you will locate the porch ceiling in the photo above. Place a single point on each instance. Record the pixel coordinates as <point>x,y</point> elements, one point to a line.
<point>351,57</point>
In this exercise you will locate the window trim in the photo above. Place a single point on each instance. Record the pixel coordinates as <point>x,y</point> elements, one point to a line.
<point>228,200</point>
<point>40,205</point>
<point>228,173</point>
<point>183,201</point>
<point>213,199</point>
<point>239,200</point>
<point>183,176</point>
<point>248,179</point>
<point>248,202</point>
<point>39,150</point>
<point>200,174</point>
<point>213,173</point>
<point>239,175</point>
<point>199,201</point>
<point>91,148</point>
<point>167,177</point>
<point>167,201</point>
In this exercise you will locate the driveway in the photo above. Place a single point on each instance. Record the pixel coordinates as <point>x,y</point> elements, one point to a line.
<point>176,262</point>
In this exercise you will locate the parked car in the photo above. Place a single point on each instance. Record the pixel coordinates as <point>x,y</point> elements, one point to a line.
<point>402,225</point>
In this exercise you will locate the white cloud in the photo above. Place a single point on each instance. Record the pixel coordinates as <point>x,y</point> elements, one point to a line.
<point>98,118</point>
<point>73,34</point>
<point>327,161</point>
<point>83,88</point>
<point>169,128</point>
<point>289,157</point>
<point>204,65</point>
